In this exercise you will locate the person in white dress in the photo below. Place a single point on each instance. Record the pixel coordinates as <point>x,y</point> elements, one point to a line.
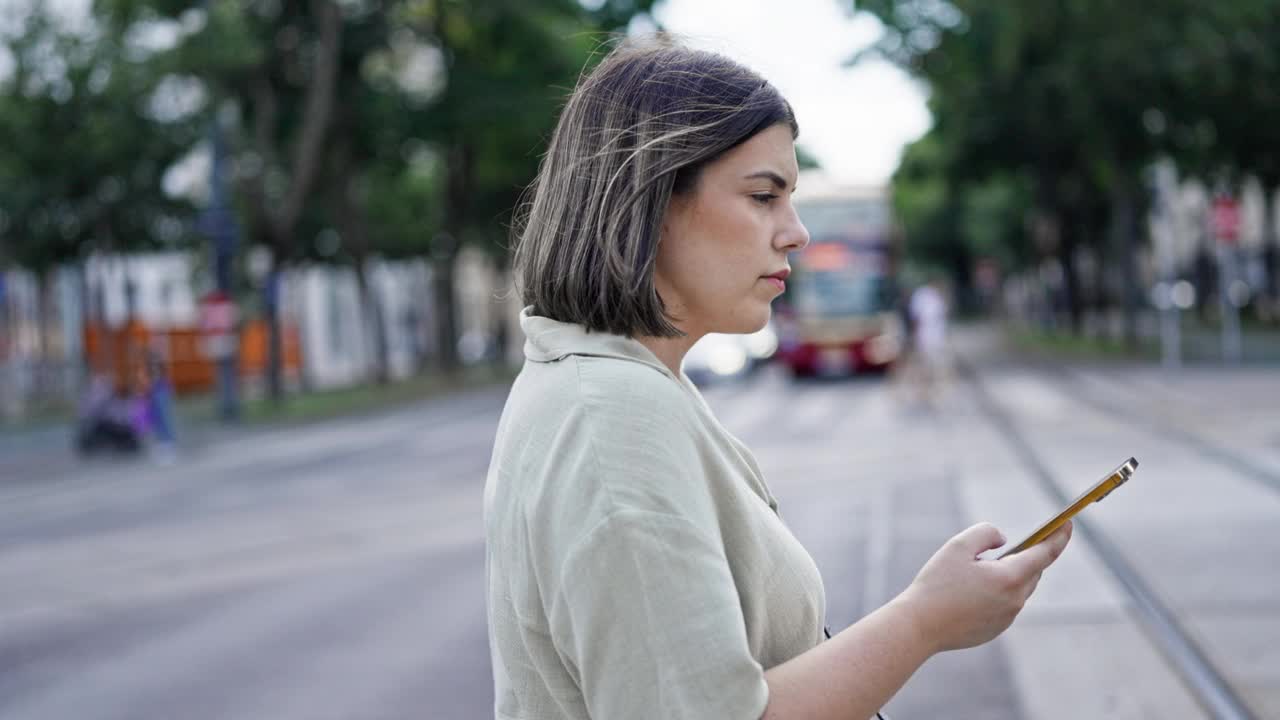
<point>929,311</point>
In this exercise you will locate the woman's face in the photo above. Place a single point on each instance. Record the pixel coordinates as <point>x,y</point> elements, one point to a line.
<point>722,239</point>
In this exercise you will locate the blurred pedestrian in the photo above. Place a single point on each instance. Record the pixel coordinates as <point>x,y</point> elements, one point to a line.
<point>139,402</point>
<point>159,398</point>
<point>931,359</point>
<point>106,418</point>
<point>637,564</point>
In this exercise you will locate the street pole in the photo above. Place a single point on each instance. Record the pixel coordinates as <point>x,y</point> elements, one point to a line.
<point>222,230</point>
<point>1170,324</point>
<point>218,223</point>
<point>1231,344</point>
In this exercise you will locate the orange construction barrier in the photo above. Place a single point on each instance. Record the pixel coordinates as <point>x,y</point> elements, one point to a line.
<point>122,352</point>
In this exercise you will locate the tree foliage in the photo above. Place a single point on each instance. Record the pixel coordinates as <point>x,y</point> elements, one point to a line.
<point>354,128</point>
<point>1052,110</point>
<point>89,138</point>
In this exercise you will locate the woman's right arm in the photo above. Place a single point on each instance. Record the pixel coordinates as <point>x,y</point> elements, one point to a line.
<point>956,601</point>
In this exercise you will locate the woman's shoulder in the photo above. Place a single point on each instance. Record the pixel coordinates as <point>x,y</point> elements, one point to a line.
<point>630,389</point>
<point>601,384</point>
<point>597,437</point>
<point>599,405</point>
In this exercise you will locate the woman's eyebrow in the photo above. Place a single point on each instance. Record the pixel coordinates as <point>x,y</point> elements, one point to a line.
<point>771,176</point>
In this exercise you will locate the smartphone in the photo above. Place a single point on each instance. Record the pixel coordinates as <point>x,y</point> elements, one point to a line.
<point>1100,489</point>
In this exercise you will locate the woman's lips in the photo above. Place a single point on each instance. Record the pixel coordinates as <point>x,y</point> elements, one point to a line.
<point>779,279</point>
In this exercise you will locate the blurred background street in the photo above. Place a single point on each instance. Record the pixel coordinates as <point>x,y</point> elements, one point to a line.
<point>257,326</point>
<point>336,570</point>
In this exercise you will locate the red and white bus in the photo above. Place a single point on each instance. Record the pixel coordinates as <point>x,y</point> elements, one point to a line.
<point>839,314</point>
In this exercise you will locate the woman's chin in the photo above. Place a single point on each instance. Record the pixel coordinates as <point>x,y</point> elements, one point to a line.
<point>748,322</point>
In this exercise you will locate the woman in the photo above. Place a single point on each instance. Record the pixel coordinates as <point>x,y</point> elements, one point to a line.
<point>637,566</point>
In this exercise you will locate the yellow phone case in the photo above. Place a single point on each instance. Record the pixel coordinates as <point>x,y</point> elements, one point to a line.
<point>1101,489</point>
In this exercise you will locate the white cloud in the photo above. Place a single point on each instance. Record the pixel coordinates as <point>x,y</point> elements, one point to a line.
<point>855,120</point>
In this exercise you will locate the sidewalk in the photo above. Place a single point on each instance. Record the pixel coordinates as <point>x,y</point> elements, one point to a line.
<point>1079,649</point>
<point>46,453</point>
<point>1201,345</point>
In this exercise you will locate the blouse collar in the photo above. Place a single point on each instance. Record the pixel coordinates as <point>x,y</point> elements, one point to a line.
<point>548,340</point>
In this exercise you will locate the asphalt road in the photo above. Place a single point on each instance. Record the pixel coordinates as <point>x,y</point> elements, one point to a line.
<point>336,571</point>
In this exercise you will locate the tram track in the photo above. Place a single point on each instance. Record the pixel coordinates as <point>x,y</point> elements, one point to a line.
<point>1167,634</point>
<point>1159,426</point>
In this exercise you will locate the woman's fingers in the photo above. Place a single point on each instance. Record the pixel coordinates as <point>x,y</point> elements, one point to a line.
<point>1034,560</point>
<point>979,539</point>
<point>1030,587</point>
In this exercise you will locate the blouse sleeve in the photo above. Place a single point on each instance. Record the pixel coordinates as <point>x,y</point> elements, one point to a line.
<point>648,618</point>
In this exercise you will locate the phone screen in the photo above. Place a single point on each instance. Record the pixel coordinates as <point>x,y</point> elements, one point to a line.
<point>1100,489</point>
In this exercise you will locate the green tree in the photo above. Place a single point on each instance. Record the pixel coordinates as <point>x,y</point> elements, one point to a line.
<point>409,127</point>
<point>274,66</point>
<point>91,140</point>
<point>451,104</point>
<point>1076,96</point>
<point>510,65</point>
<point>91,132</point>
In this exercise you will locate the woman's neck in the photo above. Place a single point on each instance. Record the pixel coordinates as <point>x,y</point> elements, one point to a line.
<point>670,350</point>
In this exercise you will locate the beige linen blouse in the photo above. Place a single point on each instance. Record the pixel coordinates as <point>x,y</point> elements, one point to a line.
<point>637,566</point>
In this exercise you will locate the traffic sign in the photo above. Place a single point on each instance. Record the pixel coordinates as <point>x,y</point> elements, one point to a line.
<point>1226,220</point>
<point>218,318</point>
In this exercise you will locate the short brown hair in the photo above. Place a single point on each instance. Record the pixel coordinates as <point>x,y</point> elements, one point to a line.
<point>635,131</point>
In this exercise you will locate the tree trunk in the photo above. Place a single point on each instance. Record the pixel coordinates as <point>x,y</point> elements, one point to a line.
<point>351,210</point>
<point>275,339</point>
<point>373,315</point>
<point>279,222</point>
<point>502,338</point>
<point>317,117</point>
<point>1065,233</point>
<point>1271,249</point>
<point>44,362</point>
<point>1206,282</point>
<point>6,341</point>
<point>1068,237</point>
<point>105,360</point>
<point>457,194</point>
<point>86,315</point>
<point>446,313</point>
<point>1125,230</point>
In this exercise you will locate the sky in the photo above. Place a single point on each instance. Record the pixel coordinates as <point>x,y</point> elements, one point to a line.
<point>854,120</point>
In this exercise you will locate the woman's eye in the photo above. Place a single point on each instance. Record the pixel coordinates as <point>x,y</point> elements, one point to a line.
<point>764,198</point>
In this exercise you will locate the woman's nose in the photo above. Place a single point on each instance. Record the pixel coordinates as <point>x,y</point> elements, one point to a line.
<point>795,236</point>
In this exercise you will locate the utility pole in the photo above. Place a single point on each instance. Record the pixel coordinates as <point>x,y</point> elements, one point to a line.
<point>218,223</point>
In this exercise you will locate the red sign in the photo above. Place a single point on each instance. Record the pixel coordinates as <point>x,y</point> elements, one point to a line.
<point>217,313</point>
<point>1226,220</point>
<point>218,319</point>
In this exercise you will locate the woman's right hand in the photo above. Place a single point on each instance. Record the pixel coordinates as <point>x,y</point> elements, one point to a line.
<point>959,601</point>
